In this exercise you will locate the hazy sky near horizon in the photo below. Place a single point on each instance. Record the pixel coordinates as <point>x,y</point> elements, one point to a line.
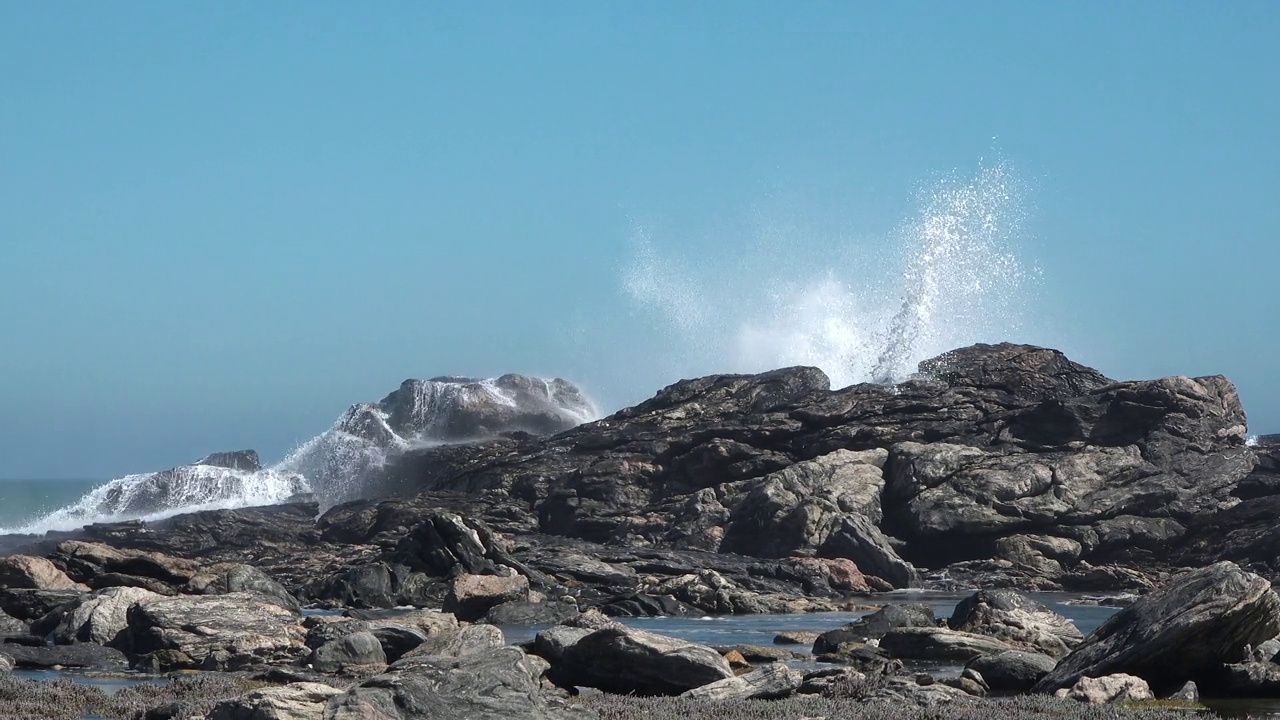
<point>223,223</point>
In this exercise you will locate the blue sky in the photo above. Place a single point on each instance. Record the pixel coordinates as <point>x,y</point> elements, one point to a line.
<point>221,224</point>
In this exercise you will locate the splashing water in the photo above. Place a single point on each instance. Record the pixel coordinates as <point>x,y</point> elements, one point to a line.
<point>338,464</point>
<point>959,282</point>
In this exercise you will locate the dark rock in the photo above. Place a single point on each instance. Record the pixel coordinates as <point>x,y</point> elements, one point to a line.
<point>31,605</point>
<point>1185,631</point>
<point>235,460</point>
<point>875,625</point>
<point>1012,671</point>
<point>632,661</point>
<point>500,683</point>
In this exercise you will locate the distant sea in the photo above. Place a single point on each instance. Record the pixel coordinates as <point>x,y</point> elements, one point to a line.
<point>22,501</point>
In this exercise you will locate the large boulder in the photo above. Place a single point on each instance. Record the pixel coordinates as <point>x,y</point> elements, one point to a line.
<point>353,651</point>
<point>633,661</point>
<point>1114,688</point>
<point>1012,671</point>
<point>1185,631</point>
<point>1016,619</point>
<point>34,573</point>
<point>472,596</point>
<point>100,616</point>
<point>502,683</point>
<point>211,632</point>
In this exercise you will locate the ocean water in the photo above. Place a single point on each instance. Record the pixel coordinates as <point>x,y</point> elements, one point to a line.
<point>25,501</point>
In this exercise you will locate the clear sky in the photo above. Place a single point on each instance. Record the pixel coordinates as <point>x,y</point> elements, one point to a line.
<point>222,223</point>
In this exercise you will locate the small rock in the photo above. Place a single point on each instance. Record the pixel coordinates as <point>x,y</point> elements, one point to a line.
<point>770,682</point>
<point>1012,671</point>
<point>795,637</point>
<point>295,701</point>
<point>357,650</point>
<point>1119,687</point>
<point>1187,693</point>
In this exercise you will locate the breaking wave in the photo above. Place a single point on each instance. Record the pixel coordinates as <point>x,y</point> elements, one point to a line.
<point>338,464</point>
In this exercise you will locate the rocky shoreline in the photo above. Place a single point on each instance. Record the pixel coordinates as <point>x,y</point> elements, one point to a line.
<point>998,468</point>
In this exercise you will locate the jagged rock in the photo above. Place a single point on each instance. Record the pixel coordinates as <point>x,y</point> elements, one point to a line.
<point>24,572</point>
<point>1114,688</point>
<point>920,643</point>
<point>295,701</point>
<point>875,625</point>
<point>223,578</point>
<point>1016,619</point>
<point>770,682</point>
<point>1184,631</point>
<point>100,616</point>
<point>1012,671</point>
<point>234,460</point>
<point>502,683</point>
<point>471,596</point>
<point>633,661</point>
<point>353,651</point>
<point>6,663</point>
<point>211,632</point>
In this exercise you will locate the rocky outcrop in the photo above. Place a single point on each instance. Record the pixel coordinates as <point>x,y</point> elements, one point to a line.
<point>1185,631</point>
<point>1005,465</point>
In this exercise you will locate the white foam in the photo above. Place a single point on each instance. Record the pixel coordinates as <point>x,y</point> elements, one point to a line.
<point>952,278</point>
